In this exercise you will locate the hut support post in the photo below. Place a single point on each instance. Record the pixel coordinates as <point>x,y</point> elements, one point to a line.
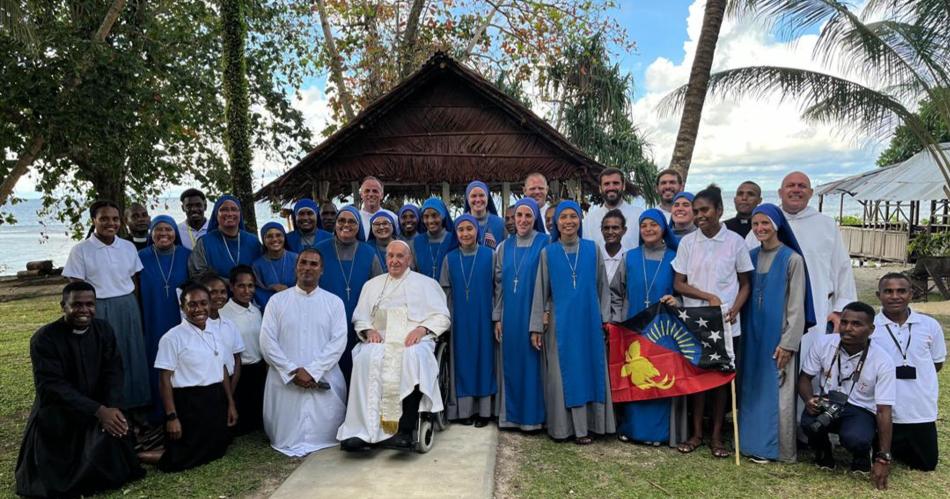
<point>446,193</point>
<point>555,190</point>
<point>841,209</point>
<point>324,194</point>
<point>505,197</point>
<point>355,189</point>
<point>821,202</point>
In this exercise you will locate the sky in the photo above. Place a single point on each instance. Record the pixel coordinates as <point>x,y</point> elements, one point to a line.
<point>738,140</point>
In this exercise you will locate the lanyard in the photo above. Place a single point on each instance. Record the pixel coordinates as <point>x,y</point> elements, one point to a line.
<point>906,349</point>
<point>856,374</point>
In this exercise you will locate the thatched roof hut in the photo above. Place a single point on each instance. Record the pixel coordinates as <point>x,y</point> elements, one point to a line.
<point>436,131</point>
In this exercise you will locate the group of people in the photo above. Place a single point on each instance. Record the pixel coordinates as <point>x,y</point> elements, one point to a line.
<point>188,333</point>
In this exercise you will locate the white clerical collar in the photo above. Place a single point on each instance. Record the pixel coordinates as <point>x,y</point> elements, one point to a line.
<point>79,332</point>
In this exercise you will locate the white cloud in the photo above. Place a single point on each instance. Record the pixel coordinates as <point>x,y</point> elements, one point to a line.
<point>750,138</point>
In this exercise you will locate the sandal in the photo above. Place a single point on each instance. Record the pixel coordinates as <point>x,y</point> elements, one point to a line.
<point>720,451</point>
<point>583,440</point>
<point>689,446</point>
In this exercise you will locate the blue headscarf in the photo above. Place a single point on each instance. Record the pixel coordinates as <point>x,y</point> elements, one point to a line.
<point>787,237</point>
<point>213,222</point>
<point>166,220</point>
<point>360,236</point>
<point>688,195</point>
<point>566,204</point>
<point>472,220</point>
<point>387,216</point>
<point>273,225</point>
<point>538,219</point>
<point>484,187</point>
<point>657,216</point>
<point>409,207</point>
<point>301,204</point>
<point>437,205</point>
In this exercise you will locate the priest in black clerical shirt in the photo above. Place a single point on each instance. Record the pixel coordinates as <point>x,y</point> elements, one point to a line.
<point>748,196</point>
<point>77,441</point>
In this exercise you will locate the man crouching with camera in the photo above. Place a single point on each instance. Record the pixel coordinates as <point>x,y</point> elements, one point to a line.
<point>856,394</point>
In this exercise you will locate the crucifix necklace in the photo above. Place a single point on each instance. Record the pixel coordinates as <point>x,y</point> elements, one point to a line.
<point>468,280</point>
<point>226,248</point>
<point>278,277</point>
<point>573,267</point>
<point>346,277</point>
<point>162,271</point>
<point>203,340</point>
<point>518,265</point>
<point>646,297</point>
<point>434,256</point>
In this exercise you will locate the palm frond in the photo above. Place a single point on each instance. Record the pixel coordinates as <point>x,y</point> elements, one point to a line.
<point>15,21</point>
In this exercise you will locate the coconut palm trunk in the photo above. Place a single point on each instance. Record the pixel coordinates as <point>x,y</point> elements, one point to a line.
<point>696,88</point>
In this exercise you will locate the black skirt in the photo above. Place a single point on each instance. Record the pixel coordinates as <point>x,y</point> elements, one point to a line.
<point>205,436</point>
<point>249,397</point>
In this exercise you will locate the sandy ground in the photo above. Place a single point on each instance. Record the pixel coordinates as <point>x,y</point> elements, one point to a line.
<point>12,289</point>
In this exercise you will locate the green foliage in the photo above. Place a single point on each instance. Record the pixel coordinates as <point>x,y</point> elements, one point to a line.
<point>592,108</point>
<point>850,220</point>
<point>237,138</point>
<point>927,244</point>
<point>905,143</point>
<point>143,109</point>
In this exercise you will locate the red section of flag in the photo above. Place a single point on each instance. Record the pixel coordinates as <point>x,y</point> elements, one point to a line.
<point>650,371</point>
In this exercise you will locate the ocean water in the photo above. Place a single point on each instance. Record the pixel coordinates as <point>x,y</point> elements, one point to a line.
<point>35,238</point>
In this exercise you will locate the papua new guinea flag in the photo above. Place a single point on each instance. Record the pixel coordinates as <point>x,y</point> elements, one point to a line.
<point>667,352</point>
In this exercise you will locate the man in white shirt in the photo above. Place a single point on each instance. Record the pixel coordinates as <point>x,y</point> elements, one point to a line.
<point>612,187</point>
<point>853,368</point>
<point>669,183</point>
<point>303,336</point>
<point>371,195</point>
<point>194,204</point>
<point>536,187</point>
<point>395,374</point>
<point>915,343</point>
<point>613,226</point>
<point>246,317</point>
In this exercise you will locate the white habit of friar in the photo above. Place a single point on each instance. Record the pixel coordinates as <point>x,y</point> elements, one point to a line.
<point>828,263</point>
<point>308,331</point>
<point>385,373</point>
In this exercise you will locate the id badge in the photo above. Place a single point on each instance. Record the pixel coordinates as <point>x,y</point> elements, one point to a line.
<point>906,372</point>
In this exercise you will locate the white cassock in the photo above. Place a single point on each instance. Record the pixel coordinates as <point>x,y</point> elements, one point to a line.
<point>828,263</point>
<point>385,373</point>
<point>303,330</point>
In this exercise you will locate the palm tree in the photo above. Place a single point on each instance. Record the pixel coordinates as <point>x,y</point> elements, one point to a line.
<point>901,47</point>
<point>695,93</point>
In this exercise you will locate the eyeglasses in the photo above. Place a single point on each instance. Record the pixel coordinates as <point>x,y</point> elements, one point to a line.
<point>344,222</point>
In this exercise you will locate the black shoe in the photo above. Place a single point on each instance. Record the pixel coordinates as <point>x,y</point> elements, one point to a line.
<point>824,459</point>
<point>464,422</point>
<point>481,422</point>
<point>400,440</point>
<point>861,464</point>
<point>354,444</point>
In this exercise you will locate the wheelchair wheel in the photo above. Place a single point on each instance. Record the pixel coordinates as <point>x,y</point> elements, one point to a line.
<point>441,419</point>
<point>425,437</point>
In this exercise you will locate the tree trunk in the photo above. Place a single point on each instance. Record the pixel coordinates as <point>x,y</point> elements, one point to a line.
<point>336,65</point>
<point>696,88</point>
<point>407,49</point>
<point>237,107</point>
<point>28,156</point>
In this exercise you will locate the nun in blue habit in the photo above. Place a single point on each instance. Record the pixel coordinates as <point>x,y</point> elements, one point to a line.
<point>479,203</point>
<point>348,262</point>
<point>468,282</point>
<point>572,285</point>
<point>164,270</point>
<point>227,243</point>
<point>377,224</point>
<point>645,278</point>
<point>307,232</point>
<point>409,225</point>
<point>276,269</point>
<point>771,335</point>
<point>431,246</point>
<point>520,398</point>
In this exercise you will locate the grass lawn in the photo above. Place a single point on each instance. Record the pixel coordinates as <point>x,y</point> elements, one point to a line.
<point>535,466</point>
<point>250,468</point>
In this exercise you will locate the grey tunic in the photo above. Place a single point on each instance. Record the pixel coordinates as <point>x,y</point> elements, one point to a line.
<point>564,422</point>
<point>682,232</point>
<point>497,314</point>
<point>465,407</point>
<point>794,325</point>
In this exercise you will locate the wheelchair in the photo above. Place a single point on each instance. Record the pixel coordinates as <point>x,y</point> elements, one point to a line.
<point>428,423</point>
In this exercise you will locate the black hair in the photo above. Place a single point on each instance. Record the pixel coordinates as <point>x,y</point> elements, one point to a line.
<point>311,249</point>
<point>77,286</point>
<point>208,277</point>
<point>188,287</point>
<point>713,194</point>
<point>615,213</point>
<point>100,204</point>
<point>893,275</point>
<point>670,171</point>
<point>606,172</point>
<point>190,193</point>
<point>757,187</point>
<point>864,308</point>
<point>239,270</point>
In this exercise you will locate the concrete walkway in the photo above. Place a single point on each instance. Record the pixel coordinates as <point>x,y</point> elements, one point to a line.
<point>461,464</point>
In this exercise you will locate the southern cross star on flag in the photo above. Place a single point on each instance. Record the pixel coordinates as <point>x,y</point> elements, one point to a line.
<point>666,351</point>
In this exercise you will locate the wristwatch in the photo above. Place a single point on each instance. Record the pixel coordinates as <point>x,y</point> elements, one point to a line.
<point>171,416</point>
<point>884,457</point>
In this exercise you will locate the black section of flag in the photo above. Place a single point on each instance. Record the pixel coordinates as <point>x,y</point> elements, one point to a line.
<point>705,324</point>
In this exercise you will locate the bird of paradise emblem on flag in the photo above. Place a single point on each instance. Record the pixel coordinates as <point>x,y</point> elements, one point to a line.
<point>667,352</point>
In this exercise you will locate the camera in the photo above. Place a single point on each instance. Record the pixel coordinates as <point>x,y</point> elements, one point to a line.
<point>830,408</point>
